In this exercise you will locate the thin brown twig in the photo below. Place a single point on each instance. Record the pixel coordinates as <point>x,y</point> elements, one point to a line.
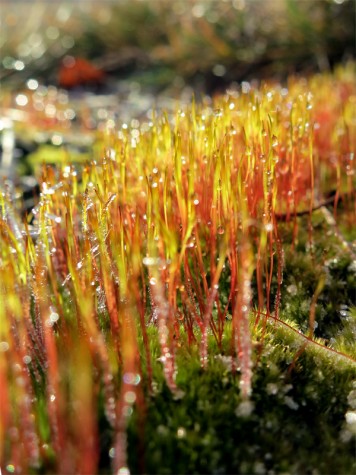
<point>286,216</point>
<point>305,337</point>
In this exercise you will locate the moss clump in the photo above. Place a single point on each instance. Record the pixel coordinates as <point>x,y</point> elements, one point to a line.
<point>293,423</point>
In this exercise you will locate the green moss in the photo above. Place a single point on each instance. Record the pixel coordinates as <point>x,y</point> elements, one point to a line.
<point>294,422</point>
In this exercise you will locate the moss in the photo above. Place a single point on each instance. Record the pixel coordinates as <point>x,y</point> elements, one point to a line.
<point>294,422</point>
<point>305,267</point>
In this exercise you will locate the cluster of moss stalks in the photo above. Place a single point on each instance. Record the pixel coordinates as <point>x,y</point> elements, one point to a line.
<point>184,302</point>
<point>299,417</point>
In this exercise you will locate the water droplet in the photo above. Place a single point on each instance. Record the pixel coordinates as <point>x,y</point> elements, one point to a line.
<point>219,70</point>
<point>112,452</point>
<point>54,317</point>
<point>110,200</point>
<point>4,346</point>
<point>181,433</point>
<point>291,403</point>
<point>27,359</point>
<point>283,168</point>
<point>272,388</point>
<point>67,279</point>
<point>130,397</point>
<point>131,378</point>
<point>123,471</point>
<point>292,289</point>
<point>245,87</point>
<point>244,409</point>
<point>10,468</point>
<point>21,100</point>
<point>153,281</point>
<point>220,230</point>
<point>162,430</point>
<point>53,217</point>
<point>150,261</point>
<point>349,171</point>
<point>269,227</point>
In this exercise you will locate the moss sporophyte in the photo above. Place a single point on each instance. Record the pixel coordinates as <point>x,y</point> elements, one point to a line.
<point>189,293</point>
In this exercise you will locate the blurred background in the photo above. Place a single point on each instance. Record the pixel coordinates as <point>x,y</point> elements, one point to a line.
<point>158,44</point>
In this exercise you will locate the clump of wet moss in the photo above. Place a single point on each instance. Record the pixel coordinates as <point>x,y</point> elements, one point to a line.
<point>295,421</point>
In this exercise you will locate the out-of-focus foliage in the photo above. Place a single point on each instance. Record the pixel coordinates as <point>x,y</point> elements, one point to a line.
<point>207,43</point>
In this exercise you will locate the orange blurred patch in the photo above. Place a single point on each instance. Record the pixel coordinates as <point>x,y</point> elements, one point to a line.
<point>77,72</point>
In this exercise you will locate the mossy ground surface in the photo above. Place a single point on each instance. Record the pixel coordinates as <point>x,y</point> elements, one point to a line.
<point>296,419</point>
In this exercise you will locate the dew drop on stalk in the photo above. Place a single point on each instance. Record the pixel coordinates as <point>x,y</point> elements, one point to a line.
<point>349,170</point>
<point>350,417</point>
<point>110,200</point>
<point>53,317</point>
<point>130,397</point>
<point>269,227</point>
<point>244,409</point>
<point>123,471</point>
<point>132,378</point>
<point>67,279</point>
<point>283,169</point>
<point>53,217</point>
<point>291,403</point>
<point>220,230</point>
<point>94,250</point>
<point>272,389</point>
<point>4,346</point>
